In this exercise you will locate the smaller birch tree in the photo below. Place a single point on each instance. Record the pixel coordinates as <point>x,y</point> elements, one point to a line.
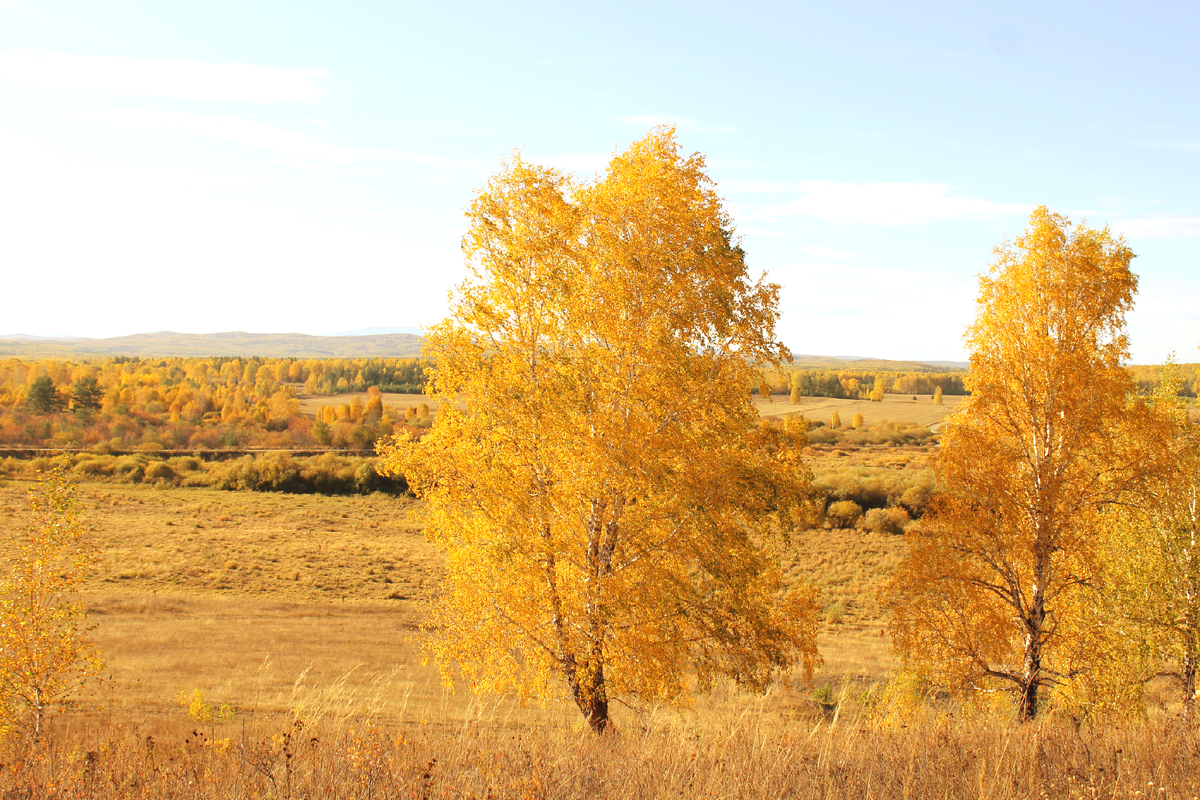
<point>1001,579</point>
<point>44,655</point>
<point>1152,560</point>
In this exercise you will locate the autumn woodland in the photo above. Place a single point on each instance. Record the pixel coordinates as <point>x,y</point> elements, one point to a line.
<point>607,537</point>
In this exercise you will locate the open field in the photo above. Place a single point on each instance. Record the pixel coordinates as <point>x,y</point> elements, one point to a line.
<point>239,593</point>
<point>304,608</point>
<point>893,408</point>
<point>311,403</point>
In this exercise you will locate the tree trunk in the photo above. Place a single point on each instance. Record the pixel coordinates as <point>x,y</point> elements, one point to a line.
<point>1187,674</point>
<point>39,712</point>
<point>1035,623</point>
<point>592,700</point>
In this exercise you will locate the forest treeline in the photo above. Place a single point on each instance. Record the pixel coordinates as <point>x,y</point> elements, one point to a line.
<point>857,384</point>
<point>226,402</point>
<point>202,403</point>
<point>872,384</point>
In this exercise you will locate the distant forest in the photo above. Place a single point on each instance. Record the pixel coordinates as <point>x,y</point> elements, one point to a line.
<point>855,384</point>
<point>125,403</point>
<point>878,378</point>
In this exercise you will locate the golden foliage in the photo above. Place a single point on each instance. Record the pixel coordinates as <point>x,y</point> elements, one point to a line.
<point>192,403</point>
<point>998,587</point>
<point>608,502</point>
<point>1152,559</point>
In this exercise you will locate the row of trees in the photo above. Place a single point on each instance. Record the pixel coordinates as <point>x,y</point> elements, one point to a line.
<point>84,383</point>
<point>864,385</point>
<point>196,403</point>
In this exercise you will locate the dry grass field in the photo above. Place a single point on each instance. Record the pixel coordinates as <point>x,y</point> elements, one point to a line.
<point>311,403</point>
<point>750,754</point>
<point>300,613</point>
<point>241,595</point>
<point>893,408</point>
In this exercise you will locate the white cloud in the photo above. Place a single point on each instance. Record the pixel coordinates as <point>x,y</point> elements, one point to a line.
<point>155,77</point>
<point>1164,321</point>
<point>817,319</point>
<point>828,252</point>
<point>888,203</point>
<point>1159,227</point>
<point>747,231</point>
<point>1186,147</point>
<point>286,145</point>
<point>759,187</point>
<point>575,162</point>
<point>652,120</point>
<point>410,157</point>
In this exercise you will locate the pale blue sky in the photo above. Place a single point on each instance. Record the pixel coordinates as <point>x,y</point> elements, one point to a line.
<point>304,166</point>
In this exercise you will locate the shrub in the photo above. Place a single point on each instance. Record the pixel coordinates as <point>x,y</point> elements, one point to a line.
<point>279,472</point>
<point>185,463</point>
<point>127,464</point>
<point>884,520</point>
<point>159,470</point>
<point>95,466</point>
<point>916,498</point>
<point>866,488</point>
<point>843,513</point>
<point>822,435</point>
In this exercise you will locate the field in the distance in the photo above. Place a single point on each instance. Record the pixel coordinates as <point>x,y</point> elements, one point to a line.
<point>310,404</point>
<point>893,408</point>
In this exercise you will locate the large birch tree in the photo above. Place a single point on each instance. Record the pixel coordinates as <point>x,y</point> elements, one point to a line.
<point>610,506</point>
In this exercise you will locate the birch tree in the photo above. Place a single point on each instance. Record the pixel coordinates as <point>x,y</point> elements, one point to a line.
<point>996,589</point>
<point>610,506</point>
<point>44,654</point>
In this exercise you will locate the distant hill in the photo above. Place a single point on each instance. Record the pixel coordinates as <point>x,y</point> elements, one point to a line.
<point>863,363</point>
<point>363,343</point>
<point>233,343</point>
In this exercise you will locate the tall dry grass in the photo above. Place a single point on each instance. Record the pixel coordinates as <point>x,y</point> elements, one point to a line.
<point>656,755</point>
